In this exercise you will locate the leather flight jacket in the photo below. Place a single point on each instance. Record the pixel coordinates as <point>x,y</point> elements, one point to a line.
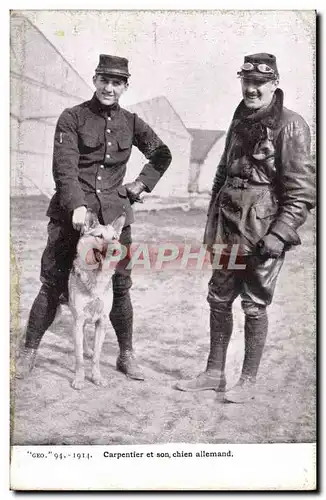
<point>265,181</point>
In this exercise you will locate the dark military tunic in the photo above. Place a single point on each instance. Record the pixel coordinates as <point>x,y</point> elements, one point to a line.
<point>92,146</point>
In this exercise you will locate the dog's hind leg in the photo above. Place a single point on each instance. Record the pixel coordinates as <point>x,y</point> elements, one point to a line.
<point>78,382</point>
<point>100,328</point>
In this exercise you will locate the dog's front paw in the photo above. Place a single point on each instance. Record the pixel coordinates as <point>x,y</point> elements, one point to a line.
<point>97,379</point>
<point>88,352</point>
<point>78,383</point>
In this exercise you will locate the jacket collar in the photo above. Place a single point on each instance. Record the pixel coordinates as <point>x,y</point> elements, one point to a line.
<point>270,116</point>
<point>97,107</point>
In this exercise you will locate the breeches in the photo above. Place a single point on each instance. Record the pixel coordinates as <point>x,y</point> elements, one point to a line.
<point>255,284</point>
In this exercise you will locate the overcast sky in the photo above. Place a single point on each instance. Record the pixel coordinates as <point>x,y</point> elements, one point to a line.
<point>190,57</point>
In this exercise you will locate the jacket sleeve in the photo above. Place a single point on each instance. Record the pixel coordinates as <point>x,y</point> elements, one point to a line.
<point>221,173</point>
<point>296,181</point>
<point>65,162</point>
<point>154,150</point>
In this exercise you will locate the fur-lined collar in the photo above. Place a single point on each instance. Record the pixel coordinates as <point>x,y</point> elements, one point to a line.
<point>251,126</point>
<point>269,116</point>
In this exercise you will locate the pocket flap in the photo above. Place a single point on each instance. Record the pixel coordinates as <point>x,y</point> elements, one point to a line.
<point>124,142</point>
<point>89,140</point>
<point>263,211</point>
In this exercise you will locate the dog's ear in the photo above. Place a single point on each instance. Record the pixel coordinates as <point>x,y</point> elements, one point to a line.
<point>118,224</point>
<point>91,221</point>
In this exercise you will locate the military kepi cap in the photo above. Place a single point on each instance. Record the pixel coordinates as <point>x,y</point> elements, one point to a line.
<point>112,65</point>
<point>261,66</point>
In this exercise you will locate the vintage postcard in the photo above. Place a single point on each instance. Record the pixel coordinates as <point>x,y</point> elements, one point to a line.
<point>163,250</point>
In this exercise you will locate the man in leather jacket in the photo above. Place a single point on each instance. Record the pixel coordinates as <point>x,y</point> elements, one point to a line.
<point>92,146</point>
<point>262,192</point>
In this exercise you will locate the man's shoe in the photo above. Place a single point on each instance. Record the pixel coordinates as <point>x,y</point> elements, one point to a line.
<point>209,380</point>
<point>25,362</point>
<point>242,392</point>
<point>127,364</point>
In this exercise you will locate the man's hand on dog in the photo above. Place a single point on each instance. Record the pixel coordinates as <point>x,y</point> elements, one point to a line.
<point>134,190</point>
<point>271,246</point>
<point>78,218</point>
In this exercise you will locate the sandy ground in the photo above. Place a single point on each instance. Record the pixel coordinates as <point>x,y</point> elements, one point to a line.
<point>171,341</point>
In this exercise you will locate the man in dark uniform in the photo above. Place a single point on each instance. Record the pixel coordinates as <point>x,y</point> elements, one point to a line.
<point>262,192</point>
<point>92,146</point>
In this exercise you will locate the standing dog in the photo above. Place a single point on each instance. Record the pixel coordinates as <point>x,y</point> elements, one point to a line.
<point>89,290</point>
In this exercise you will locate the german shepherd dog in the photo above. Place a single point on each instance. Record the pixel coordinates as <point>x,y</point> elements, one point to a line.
<point>89,289</point>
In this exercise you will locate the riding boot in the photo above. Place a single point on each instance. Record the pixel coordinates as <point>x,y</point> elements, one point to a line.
<point>121,317</point>
<point>221,325</point>
<point>256,328</point>
<point>41,317</point>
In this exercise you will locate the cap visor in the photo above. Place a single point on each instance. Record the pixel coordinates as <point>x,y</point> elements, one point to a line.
<point>111,72</point>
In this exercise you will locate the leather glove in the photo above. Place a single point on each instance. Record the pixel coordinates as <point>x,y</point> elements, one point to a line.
<point>271,246</point>
<point>78,218</point>
<point>134,189</point>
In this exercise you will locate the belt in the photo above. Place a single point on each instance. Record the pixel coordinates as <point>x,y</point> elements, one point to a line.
<point>237,182</point>
<point>240,183</point>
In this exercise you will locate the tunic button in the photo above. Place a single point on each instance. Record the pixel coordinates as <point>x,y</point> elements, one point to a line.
<point>109,118</point>
<point>98,190</point>
<point>99,178</point>
<point>109,143</point>
<point>108,131</point>
<point>101,166</point>
<point>108,156</point>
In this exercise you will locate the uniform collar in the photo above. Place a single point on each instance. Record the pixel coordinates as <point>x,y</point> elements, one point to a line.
<point>99,108</point>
